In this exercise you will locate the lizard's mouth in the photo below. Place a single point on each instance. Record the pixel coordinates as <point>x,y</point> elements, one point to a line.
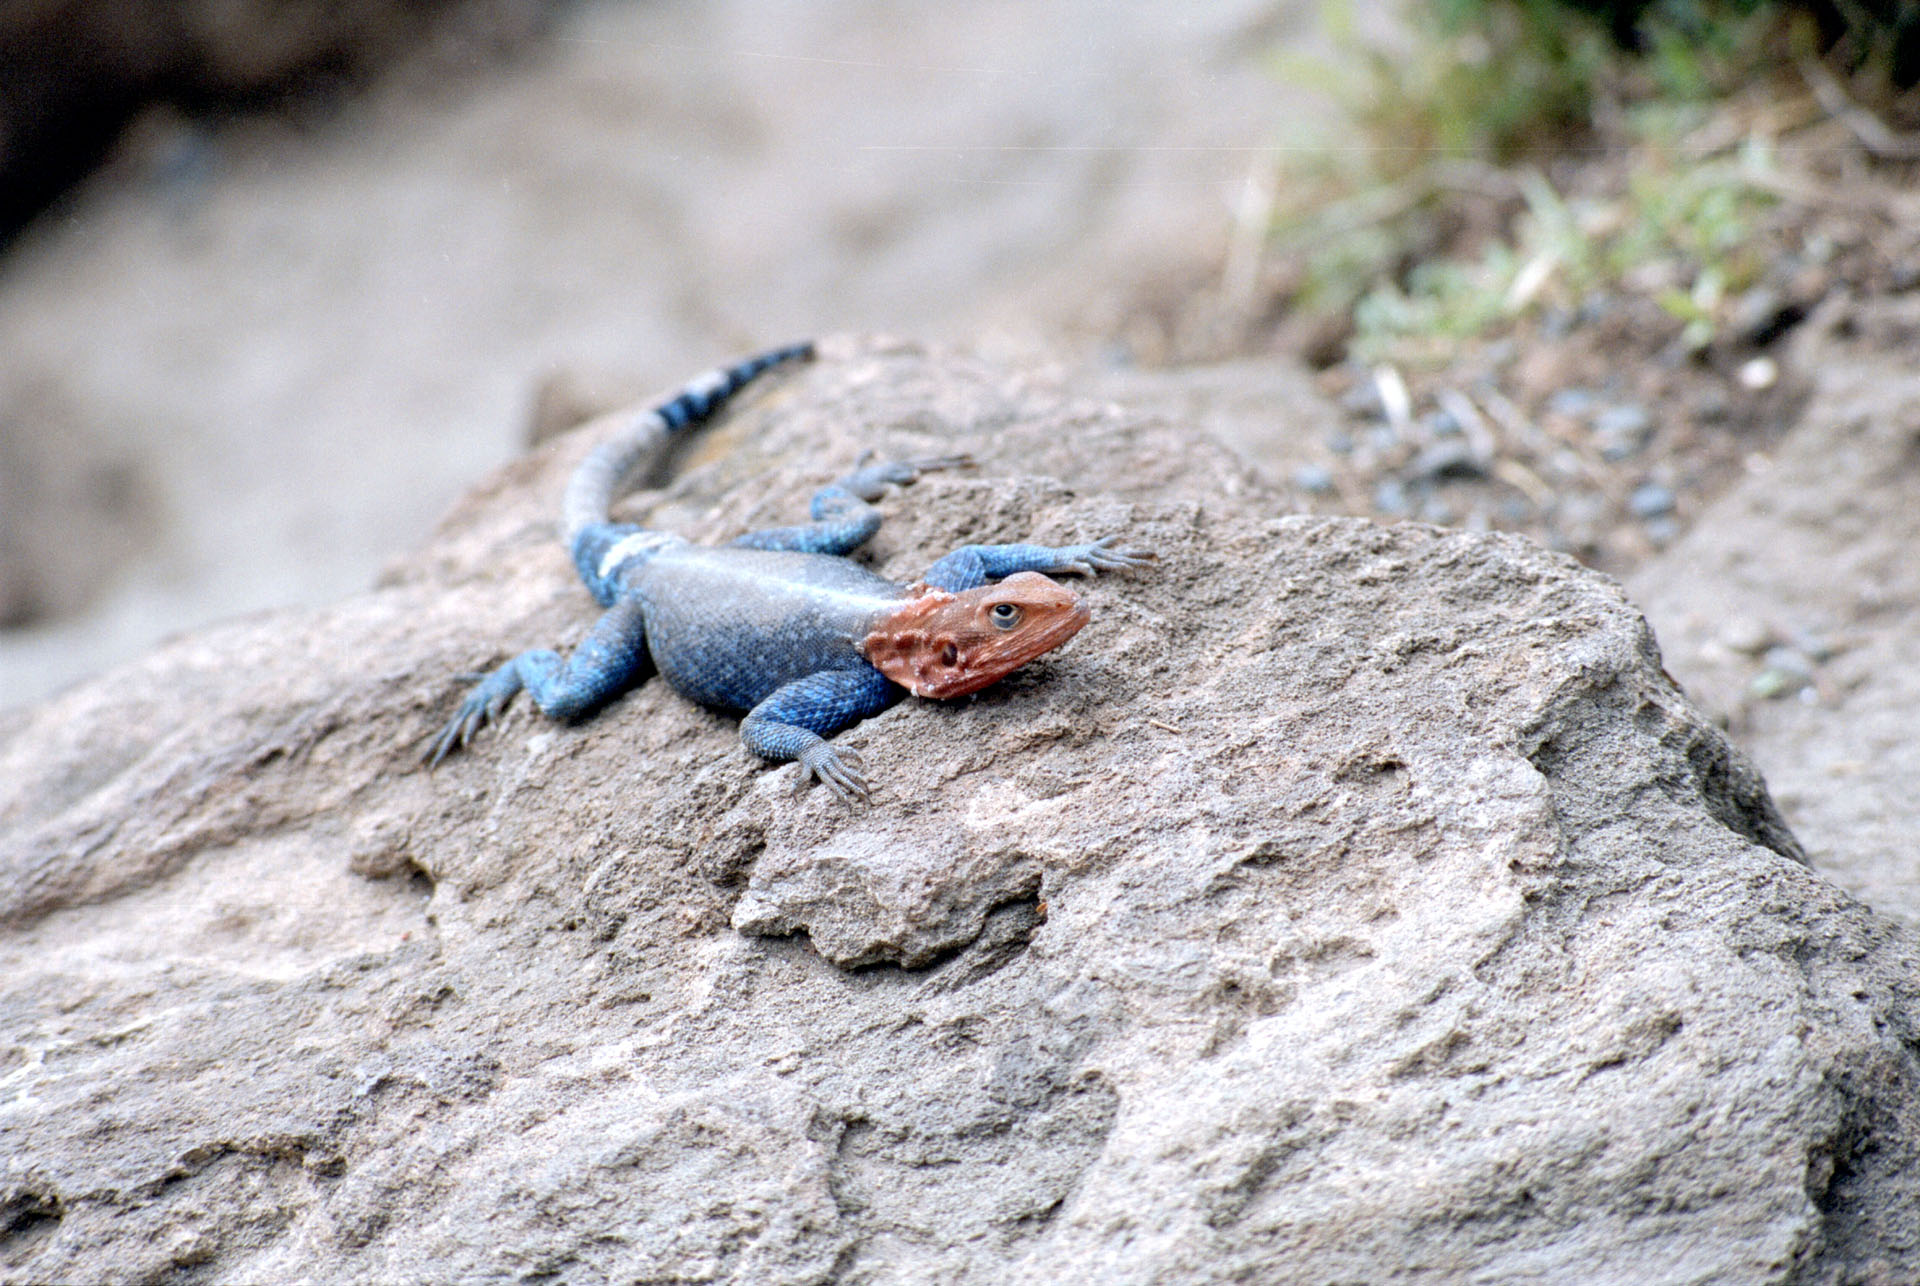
<point>942,645</point>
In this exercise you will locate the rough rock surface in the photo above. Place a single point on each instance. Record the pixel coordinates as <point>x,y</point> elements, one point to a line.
<point>1345,903</point>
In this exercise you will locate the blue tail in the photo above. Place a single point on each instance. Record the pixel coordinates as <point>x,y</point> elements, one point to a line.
<point>598,481</point>
<point>701,398</point>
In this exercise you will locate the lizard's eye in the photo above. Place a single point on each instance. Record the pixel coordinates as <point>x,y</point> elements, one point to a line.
<point>1005,615</point>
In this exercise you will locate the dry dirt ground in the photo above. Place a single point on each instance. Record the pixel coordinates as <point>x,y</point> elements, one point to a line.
<point>245,366</point>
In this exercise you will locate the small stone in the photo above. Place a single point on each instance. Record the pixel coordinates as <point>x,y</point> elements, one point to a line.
<point>1339,441</point>
<point>1771,685</point>
<point>1662,531</point>
<point>1315,479</point>
<point>1756,313</point>
<point>1442,424</point>
<point>1650,500</point>
<point>1621,420</point>
<point>1574,403</point>
<point>1390,497</point>
<point>1817,647</point>
<point>1759,374</point>
<point>1790,660</point>
<point>1362,401</point>
<point>1621,430</point>
<point>1450,459</point>
<point>1747,635</point>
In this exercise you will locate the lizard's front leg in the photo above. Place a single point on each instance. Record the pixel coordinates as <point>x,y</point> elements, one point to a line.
<point>971,566</point>
<point>795,720</point>
<point>607,662</point>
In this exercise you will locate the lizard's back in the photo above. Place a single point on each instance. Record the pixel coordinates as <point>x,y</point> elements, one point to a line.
<point>727,626</point>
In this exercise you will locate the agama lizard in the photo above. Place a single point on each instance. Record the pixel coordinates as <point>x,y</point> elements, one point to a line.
<point>782,624</point>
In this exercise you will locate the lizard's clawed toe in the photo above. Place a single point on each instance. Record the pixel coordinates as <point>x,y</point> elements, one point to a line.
<point>1102,555</point>
<point>839,770</point>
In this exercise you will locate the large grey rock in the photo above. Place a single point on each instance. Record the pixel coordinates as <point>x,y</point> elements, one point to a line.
<point>1344,904</point>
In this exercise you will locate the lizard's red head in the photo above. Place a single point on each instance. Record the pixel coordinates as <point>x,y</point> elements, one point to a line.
<point>947,645</point>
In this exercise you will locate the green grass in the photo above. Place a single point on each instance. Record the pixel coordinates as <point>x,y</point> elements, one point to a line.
<point>1457,127</point>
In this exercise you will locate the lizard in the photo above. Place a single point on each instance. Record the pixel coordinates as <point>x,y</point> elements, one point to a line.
<point>781,625</point>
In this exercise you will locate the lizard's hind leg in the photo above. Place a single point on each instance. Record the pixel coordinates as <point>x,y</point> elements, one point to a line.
<point>844,517</point>
<point>611,659</point>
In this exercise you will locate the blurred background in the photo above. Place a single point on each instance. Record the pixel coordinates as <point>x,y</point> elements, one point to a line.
<point>280,278</point>
<point>285,276</point>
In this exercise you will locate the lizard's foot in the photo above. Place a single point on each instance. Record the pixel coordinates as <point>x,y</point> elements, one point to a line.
<point>482,706</point>
<point>867,479</point>
<point>1099,556</point>
<point>838,768</point>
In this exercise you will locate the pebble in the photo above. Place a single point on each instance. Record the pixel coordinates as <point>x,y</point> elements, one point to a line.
<point>1650,500</point>
<point>1621,430</point>
<point>1363,401</point>
<point>1622,419</point>
<point>1339,441</point>
<point>1756,313</point>
<point>1574,403</point>
<point>1389,497</point>
<point>1771,685</point>
<point>1758,375</point>
<point>1449,459</point>
<point>1315,479</point>
<point>1789,660</point>
<point>1747,635</point>
<point>1787,670</point>
<point>1817,646</point>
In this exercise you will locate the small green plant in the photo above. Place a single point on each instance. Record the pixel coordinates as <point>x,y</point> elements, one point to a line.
<point>1439,124</point>
<point>1680,233</point>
